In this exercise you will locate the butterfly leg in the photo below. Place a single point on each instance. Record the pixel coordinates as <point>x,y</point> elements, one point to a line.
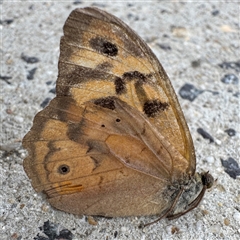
<point>168,211</point>
<point>192,205</point>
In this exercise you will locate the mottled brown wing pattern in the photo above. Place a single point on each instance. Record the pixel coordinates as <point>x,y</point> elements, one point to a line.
<point>101,56</point>
<point>115,134</point>
<point>79,158</point>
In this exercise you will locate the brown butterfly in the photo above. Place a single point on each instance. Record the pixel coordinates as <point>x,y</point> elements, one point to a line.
<point>114,141</point>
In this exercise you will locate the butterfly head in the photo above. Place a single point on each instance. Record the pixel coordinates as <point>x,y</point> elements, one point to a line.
<point>190,195</point>
<point>207,179</point>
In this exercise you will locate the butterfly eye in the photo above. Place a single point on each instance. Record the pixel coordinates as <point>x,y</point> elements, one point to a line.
<point>64,169</point>
<point>207,180</point>
<point>118,120</point>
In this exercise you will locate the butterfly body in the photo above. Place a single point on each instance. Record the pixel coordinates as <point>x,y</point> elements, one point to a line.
<point>114,141</point>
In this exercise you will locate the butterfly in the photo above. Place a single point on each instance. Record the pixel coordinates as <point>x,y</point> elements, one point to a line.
<point>114,141</point>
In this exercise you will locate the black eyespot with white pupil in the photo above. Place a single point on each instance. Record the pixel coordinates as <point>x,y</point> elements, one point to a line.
<point>63,169</point>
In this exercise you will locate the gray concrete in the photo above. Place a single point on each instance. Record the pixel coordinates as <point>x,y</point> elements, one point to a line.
<point>195,31</point>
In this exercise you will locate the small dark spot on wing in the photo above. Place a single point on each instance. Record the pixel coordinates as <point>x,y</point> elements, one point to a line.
<point>138,77</point>
<point>107,102</point>
<point>103,46</point>
<point>152,107</point>
<point>64,169</point>
<point>120,85</point>
<point>134,75</point>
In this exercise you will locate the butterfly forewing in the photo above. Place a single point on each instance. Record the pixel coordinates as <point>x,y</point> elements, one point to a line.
<point>106,58</point>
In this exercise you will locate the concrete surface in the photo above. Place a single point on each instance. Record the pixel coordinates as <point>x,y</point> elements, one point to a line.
<point>190,39</point>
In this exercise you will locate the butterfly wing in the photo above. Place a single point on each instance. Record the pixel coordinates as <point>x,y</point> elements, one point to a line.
<point>101,56</point>
<point>106,74</point>
<point>98,161</point>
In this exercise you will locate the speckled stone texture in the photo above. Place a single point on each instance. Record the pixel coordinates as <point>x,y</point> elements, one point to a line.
<point>197,43</point>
